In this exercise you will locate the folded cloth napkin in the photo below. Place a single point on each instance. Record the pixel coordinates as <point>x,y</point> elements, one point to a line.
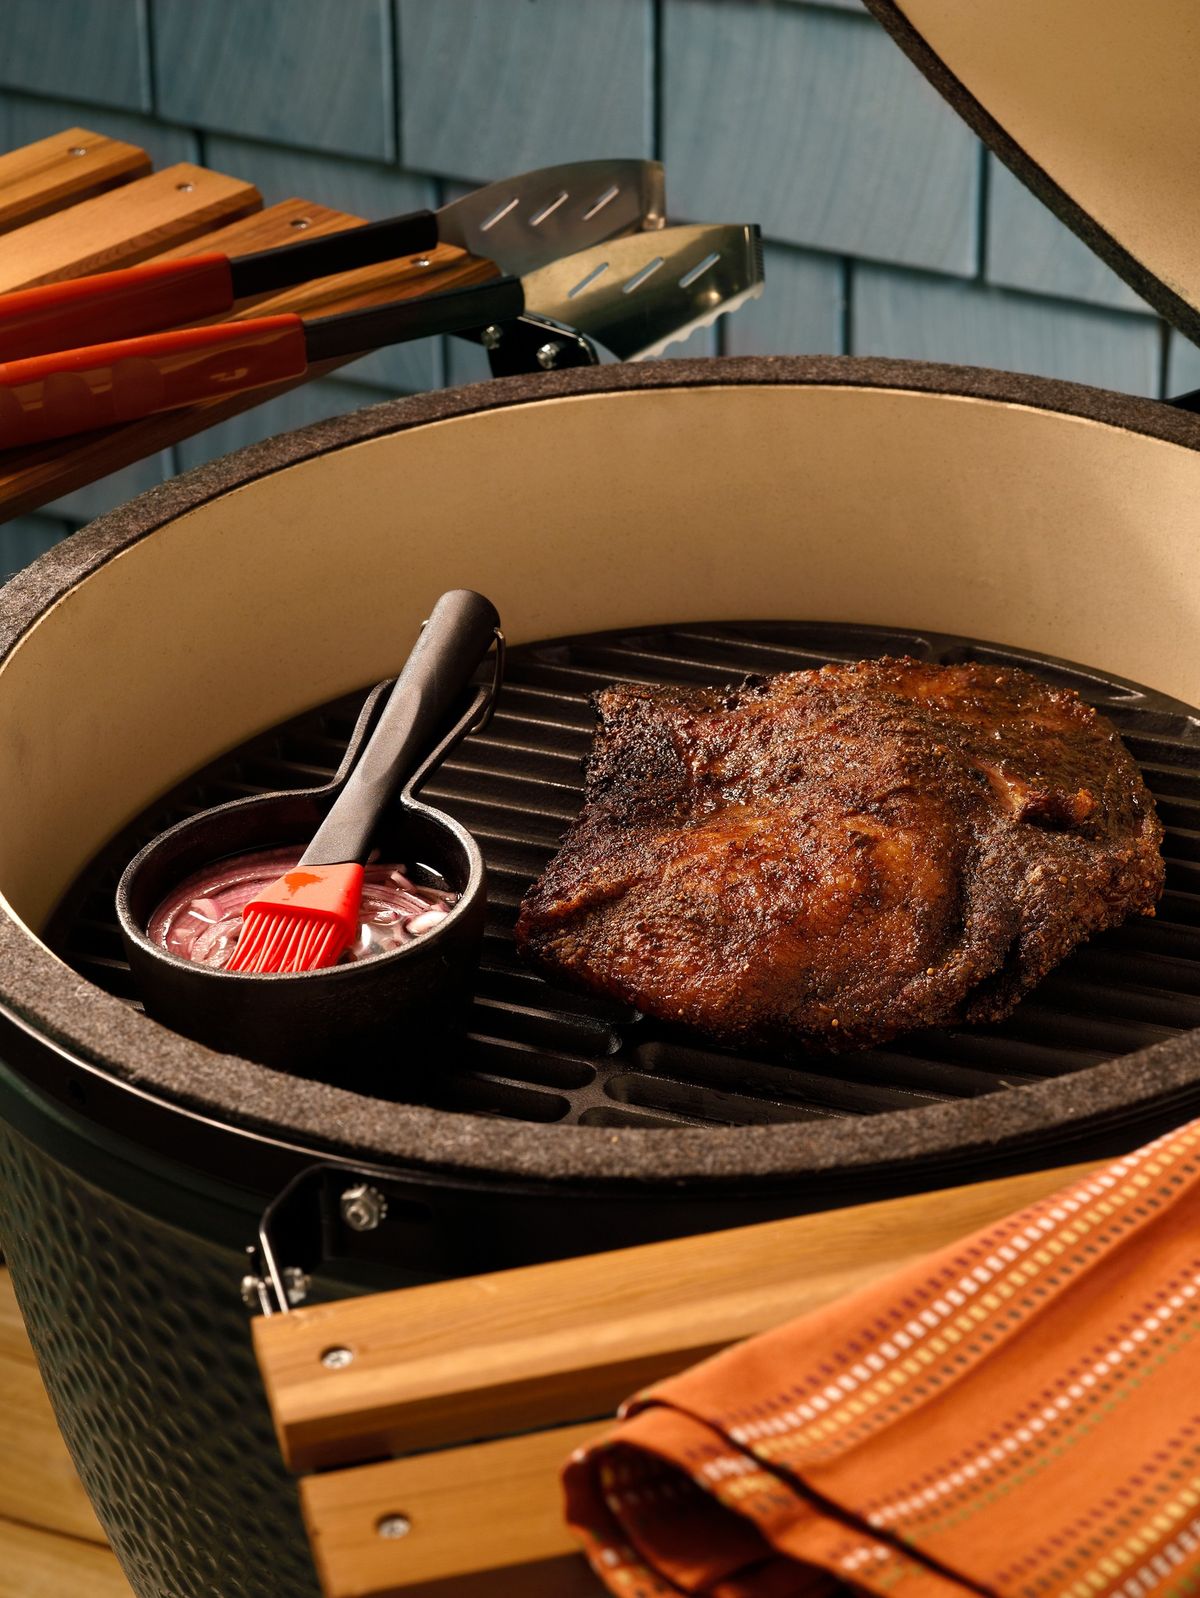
<point>1016,1414</point>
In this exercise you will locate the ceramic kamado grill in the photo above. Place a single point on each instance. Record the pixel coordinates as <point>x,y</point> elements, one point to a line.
<point>676,521</point>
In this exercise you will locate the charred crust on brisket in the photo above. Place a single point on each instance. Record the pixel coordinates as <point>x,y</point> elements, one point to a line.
<point>833,857</point>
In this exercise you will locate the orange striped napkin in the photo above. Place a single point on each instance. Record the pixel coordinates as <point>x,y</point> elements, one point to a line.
<point>1018,1414</point>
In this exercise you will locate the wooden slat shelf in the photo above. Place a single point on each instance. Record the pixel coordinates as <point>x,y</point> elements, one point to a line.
<point>129,224</point>
<point>491,1514</point>
<point>72,165</point>
<point>59,226</point>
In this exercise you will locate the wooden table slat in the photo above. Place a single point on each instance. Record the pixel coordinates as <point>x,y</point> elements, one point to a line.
<point>41,1564</point>
<point>494,1509</point>
<point>124,226</point>
<point>44,177</point>
<point>267,229</point>
<point>488,1355</point>
<point>50,1541</point>
<point>531,1349</point>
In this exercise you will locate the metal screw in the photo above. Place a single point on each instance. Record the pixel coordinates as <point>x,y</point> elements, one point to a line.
<point>363,1207</point>
<point>394,1526</point>
<point>301,222</point>
<point>548,355</point>
<point>491,337</point>
<point>296,1284</point>
<point>185,188</point>
<point>422,260</point>
<point>336,1359</point>
<point>78,149</point>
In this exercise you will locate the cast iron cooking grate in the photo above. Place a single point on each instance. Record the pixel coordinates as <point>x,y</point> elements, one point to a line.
<point>536,1052</point>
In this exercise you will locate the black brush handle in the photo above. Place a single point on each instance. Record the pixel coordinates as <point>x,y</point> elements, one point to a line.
<point>332,338</point>
<point>458,634</point>
<point>365,245</point>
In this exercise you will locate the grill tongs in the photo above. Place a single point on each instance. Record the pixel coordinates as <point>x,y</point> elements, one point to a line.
<point>628,297</point>
<point>512,226</point>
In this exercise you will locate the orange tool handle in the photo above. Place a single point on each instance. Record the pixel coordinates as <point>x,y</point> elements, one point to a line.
<point>113,305</point>
<point>72,391</point>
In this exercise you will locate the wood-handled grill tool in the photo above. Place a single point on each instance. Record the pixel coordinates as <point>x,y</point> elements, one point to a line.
<point>520,223</point>
<point>629,297</point>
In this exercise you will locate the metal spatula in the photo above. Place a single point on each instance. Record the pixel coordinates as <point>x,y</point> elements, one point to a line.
<point>523,222</point>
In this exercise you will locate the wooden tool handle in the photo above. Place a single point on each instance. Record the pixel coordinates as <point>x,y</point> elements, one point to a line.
<point>112,305</point>
<point>72,391</point>
<point>457,311</point>
<point>366,244</point>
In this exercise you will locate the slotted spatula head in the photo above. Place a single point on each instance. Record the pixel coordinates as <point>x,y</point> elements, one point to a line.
<point>525,221</point>
<point>636,295</point>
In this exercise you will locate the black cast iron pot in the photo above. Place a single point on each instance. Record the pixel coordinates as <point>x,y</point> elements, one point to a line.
<point>362,1025</point>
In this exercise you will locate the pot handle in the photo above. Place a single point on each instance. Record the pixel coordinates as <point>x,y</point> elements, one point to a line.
<point>460,630</point>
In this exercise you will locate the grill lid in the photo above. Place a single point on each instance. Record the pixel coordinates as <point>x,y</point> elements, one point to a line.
<point>1091,103</point>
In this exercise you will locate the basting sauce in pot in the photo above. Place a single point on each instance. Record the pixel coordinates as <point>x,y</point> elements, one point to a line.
<point>200,920</point>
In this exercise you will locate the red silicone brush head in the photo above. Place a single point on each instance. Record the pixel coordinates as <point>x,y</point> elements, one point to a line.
<point>300,923</point>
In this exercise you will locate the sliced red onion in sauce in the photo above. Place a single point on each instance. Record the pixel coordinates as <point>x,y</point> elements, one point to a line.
<point>200,920</point>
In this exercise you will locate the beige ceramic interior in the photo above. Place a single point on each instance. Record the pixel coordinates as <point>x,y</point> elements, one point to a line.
<point>595,510</point>
<point>1102,95</point>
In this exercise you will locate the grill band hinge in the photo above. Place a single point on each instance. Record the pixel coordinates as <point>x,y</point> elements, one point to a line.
<point>334,1213</point>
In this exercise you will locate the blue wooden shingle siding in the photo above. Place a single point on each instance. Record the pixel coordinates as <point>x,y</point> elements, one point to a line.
<point>800,312</point>
<point>316,73</point>
<point>495,86</point>
<point>1029,248</point>
<point>889,231</point>
<point>812,123</point>
<point>1183,366</point>
<point>25,119</point>
<point>937,319</point>
<point>78,49</point>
